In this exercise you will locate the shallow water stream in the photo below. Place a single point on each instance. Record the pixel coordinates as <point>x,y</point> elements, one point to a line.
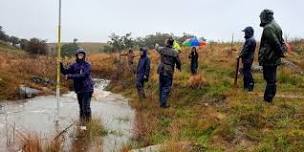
<point>39,115</point>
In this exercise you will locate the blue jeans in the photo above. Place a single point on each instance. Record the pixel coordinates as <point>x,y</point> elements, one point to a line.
<point>165,83</point>
<point>84,100</point>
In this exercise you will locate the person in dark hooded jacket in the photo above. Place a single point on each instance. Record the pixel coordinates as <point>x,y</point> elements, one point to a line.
<point>169,59</point>
<point>80,73</point>
<point>142,72</point>
<point>271,51</point>
<point>247,56</point>
<point>194,60</point>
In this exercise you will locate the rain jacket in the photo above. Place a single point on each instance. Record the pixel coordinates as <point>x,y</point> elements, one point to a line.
<point>168,60</point>
<point>143,67</point>
<point>247,53</point>
<point>80,73</point>
<point>271,47</point>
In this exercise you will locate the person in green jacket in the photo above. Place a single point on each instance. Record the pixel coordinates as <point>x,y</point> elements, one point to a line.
<point>271,51</point>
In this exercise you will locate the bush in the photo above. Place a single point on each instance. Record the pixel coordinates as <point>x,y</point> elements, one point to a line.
<point>69,49</point>
<point>119,43</point>
<point>36,46</point>
<point>23,44</point>
<point>14,40</point>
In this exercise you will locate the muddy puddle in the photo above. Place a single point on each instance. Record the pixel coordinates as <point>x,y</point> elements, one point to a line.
<point>39,115</point>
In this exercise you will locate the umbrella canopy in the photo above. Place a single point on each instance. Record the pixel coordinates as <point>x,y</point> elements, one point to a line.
<point>194,42</point>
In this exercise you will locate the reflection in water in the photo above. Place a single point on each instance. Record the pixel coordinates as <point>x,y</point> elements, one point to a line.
<point>38,115</point>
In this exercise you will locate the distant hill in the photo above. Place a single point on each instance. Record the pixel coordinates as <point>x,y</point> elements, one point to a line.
<point>92,47</point>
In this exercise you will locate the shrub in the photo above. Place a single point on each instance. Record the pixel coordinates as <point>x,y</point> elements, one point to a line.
<point>36,46</point>
<point>69,49</point>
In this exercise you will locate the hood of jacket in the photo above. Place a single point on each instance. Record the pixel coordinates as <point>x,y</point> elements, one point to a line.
<point>249,32</point>
<point>266,17</point>
<point>78,52</point>
<point>145,52</point>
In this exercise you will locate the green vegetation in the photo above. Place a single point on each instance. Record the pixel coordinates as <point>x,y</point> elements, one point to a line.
<point>119,43</point>
<point>69,49</point>
<point>216,116</point>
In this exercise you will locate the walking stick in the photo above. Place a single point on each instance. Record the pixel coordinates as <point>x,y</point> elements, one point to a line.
<point>236,71</point>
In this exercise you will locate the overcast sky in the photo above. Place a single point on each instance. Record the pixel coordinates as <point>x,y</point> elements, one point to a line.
<point>95,20</point>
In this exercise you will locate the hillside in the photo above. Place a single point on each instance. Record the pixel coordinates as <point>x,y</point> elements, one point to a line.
<point>92,47</point>
<point>20,68</point>
<point>209,113</point>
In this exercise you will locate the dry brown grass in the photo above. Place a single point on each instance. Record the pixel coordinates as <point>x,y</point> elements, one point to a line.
<point>18,67</point>
<point>33,143</point>
<point>197,81</point>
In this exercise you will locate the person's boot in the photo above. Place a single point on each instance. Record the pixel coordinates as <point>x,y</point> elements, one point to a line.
<point>267,97</point>
<point>270,93</point>
<point>250,87</point>
<point>165,106</point>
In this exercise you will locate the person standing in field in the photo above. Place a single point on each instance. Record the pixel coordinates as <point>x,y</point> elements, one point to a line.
<point>142,72</point>
<point>80,73</point>
<point>272,49</point>
<point>194,60</point>
<point>131,57</point>
<point>247,56</point>
<point>169,59</point>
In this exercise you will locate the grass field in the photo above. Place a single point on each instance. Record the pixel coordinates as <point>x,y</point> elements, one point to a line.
<point>209,113</point>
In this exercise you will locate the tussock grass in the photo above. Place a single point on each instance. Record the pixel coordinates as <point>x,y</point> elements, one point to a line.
<point>32,142</point>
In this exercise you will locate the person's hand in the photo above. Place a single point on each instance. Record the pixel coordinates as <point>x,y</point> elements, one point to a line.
<point>59,60</point>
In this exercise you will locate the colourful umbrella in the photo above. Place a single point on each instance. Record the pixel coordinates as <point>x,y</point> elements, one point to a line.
<point>194,42</point>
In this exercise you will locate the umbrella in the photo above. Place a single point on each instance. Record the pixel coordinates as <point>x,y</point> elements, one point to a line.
<point>194,42</point>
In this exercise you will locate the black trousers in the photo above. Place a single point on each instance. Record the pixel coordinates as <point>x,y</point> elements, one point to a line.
<point>84,100</point>
<point>248,79</point>
<point>140,83</point>
<point>270,76</point>
<point>193,67</point>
